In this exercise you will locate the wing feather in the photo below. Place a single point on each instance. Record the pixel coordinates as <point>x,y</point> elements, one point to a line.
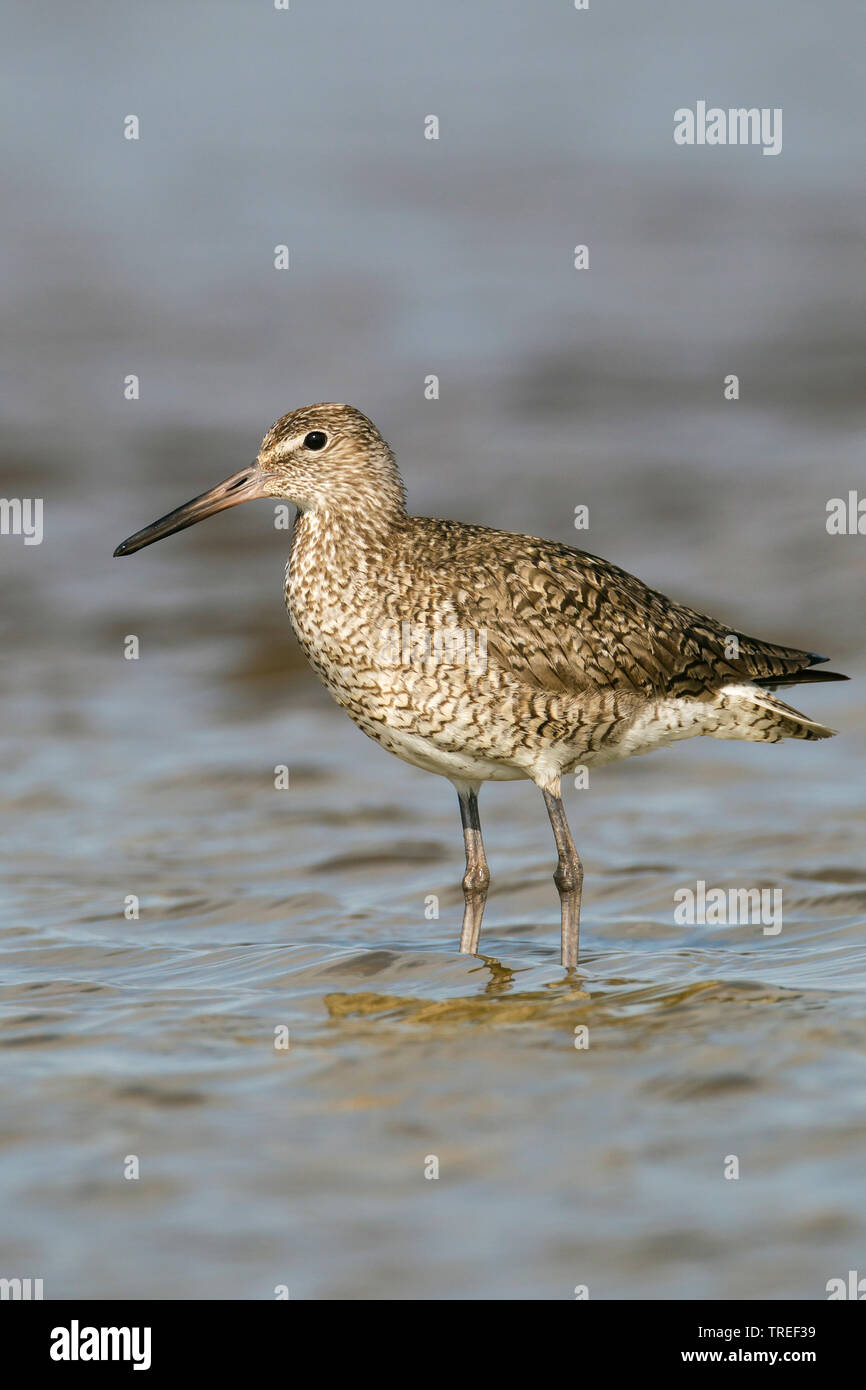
<point>561,620</point>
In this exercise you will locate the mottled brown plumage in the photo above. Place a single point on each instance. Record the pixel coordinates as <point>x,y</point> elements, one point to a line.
<point>482,655</point>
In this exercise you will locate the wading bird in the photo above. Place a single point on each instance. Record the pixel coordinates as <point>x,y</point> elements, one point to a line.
<point>486,656</point>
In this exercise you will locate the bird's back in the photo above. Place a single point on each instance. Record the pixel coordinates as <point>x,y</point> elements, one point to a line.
<point>561,619</point>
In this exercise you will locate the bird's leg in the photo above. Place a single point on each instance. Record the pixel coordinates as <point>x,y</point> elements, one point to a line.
<point>476,880</point>
<point>568,877</point>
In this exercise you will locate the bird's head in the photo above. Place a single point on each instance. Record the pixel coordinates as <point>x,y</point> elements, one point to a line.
<point>325,457</point>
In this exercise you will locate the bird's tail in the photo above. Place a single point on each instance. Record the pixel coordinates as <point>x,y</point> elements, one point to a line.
<point>752,713</point>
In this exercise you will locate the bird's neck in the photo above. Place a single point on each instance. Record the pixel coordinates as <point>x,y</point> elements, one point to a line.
<point>360,515</point>
<point>344,537</point>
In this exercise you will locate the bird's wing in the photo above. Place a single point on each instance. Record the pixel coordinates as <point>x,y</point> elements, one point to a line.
<point>558,619</point>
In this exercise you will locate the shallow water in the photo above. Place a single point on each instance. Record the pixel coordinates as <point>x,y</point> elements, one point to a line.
<point>306,908</point>
<point>259,909</point>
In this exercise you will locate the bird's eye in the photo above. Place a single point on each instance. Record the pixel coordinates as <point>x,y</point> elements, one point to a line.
<point>316,439</point>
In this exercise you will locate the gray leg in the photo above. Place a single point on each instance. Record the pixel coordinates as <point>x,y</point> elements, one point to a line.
<point>476,880</point>
<point>568,878</point>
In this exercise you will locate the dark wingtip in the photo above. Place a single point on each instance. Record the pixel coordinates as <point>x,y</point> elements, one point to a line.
<point>804,677</point>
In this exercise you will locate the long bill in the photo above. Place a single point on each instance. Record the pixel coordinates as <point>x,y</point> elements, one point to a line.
<point>240,487</point>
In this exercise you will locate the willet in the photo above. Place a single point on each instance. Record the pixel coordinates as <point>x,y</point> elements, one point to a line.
<point>485,656</point>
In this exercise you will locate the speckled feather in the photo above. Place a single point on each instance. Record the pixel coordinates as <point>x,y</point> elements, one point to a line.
<point>584,662</point>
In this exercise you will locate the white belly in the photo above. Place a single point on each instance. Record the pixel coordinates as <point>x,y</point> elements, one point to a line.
<point>424,753</point>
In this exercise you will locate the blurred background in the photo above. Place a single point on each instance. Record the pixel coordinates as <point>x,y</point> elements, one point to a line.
<point>306,908</point>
